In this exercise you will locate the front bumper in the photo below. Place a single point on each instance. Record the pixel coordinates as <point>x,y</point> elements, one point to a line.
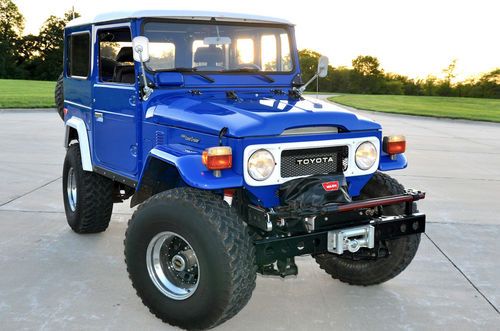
<point>325,224</point>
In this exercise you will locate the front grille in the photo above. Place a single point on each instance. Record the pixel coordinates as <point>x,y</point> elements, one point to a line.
<point>305,162</point>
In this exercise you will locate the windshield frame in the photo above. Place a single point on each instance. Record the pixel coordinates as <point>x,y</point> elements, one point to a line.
<point>286,27</point>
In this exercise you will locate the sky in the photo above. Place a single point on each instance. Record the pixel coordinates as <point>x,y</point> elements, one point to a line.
<point>414,38</point>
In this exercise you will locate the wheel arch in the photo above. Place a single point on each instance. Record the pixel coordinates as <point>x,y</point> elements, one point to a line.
<point>157,176</point>
<point>77,130</point>
<point>165,170</point>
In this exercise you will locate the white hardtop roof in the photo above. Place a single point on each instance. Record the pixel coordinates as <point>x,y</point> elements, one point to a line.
<point>179,14</point>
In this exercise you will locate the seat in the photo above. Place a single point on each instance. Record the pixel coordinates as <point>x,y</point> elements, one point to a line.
<point>125,55</point>
<point>124,71</point>
<point>211,55</point>
<point>107,67</point>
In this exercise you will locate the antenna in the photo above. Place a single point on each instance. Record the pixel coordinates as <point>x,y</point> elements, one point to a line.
<point>73,11</point>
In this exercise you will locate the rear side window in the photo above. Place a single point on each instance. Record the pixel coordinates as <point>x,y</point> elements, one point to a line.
<point>79,55</point>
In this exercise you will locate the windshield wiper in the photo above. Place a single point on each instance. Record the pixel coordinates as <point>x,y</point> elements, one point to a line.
<point>254,71</point>
<point>195,71</point>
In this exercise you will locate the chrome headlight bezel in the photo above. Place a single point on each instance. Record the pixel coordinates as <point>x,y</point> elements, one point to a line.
<point>261,165</point>
<point>366,155</point>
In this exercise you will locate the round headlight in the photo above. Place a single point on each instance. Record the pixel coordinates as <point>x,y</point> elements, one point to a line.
<point>366,155</point>
<point>261,165</point>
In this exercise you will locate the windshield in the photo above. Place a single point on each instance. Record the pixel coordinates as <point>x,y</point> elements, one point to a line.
<point>218,47</point>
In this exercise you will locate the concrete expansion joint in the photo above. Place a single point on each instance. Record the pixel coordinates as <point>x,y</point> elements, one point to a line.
<point>31,191</point>
<point>463,274</point>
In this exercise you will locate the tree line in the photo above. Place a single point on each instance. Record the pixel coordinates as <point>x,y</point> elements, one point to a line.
<point>39,57</point>
<point>36,57</point>
<point>367,77</point>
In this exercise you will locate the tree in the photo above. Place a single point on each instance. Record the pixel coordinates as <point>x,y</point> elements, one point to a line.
<point>366,65</point>
<point>445,86</point>
<point>46,53</point>
<point>309,67</point>
<point>11,29</point>
<point>367,77</point>
<point>308,63</point>
<point>341,80</point>
<point>486,86</point>
<point>449,71</point>
<point>430,85</point>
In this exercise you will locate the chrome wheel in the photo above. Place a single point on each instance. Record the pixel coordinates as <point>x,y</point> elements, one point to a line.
<point>71,189</point>
<point>172,265</point>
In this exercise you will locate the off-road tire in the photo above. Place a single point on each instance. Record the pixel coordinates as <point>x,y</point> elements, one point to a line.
<point>94,204</point>
<point>59,96</point>
<point>402,250</point>
<point>221,242</point>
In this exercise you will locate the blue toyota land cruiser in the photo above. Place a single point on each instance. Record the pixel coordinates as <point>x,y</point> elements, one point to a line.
<point>199,118</point>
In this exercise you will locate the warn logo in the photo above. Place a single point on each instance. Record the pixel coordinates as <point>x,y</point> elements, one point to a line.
<point>331,186</point>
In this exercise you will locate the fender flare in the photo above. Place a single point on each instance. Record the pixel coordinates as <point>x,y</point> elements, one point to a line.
<point>193,172</point>
<point>83,139</point>
<point>188,168</point>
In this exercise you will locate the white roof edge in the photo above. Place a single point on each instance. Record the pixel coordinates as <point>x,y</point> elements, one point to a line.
<point>182,14</point>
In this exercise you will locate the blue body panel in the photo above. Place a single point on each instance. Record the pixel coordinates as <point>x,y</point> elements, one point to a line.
<point>388,164</point>
<point>115,133</point>
<point>176,124</point>
<point>257,112</point>
<point>193,172</point>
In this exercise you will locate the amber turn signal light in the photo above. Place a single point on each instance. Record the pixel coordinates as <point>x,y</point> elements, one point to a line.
<point>218,158</point>
<point>394,145</point>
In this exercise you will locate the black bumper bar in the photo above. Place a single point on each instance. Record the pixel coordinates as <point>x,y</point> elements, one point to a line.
<point>386,228</point>
<point>331,217</point>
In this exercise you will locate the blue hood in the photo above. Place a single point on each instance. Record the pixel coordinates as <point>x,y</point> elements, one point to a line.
<point>252,114</point>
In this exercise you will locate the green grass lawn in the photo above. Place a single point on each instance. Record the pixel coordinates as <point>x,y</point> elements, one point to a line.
<point>39,94</point>
<point>26,94</point>
<point>448,107</point>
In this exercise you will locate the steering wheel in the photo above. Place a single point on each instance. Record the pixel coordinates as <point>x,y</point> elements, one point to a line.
<point>248,66</point>
<point>209,68</point>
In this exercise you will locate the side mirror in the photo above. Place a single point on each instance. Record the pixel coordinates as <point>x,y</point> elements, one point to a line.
<point>322,66</point>
<point>321,72</point>
<point>140,46</point>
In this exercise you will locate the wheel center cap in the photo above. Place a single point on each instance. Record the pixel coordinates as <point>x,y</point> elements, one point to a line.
<point>178,263</point>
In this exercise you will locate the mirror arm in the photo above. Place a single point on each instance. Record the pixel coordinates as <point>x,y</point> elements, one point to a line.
<point>303,87</point>
<point>147,90</point>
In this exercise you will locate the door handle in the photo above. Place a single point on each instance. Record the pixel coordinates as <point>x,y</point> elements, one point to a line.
<point>99,117</point>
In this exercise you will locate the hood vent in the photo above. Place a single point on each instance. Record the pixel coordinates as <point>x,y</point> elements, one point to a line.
<point>311,130</point>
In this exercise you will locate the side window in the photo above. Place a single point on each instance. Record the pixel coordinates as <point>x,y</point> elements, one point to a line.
<point>116,59</point>
<point>79,55</point>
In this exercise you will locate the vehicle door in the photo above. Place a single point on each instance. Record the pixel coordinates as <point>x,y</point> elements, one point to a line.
<point>115,101</point>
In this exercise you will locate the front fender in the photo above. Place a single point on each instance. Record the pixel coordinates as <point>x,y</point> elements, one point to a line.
<point>193,172</point>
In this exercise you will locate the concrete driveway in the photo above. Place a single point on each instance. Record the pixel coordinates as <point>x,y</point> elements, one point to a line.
<point>54,279</point>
